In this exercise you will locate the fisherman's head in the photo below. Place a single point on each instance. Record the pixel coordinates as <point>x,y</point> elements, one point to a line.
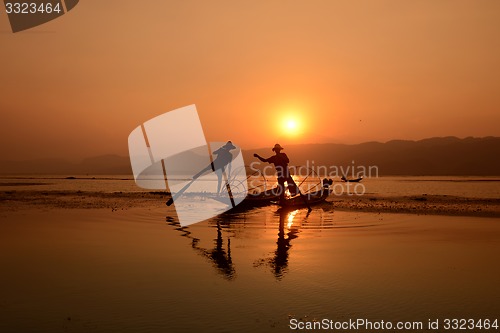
<point>277,148</point>
<point>229,146</point>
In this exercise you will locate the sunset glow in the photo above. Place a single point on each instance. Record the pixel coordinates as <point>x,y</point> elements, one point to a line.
<point>291,126</point>
<point>226,166</point>
<point>288,78</point>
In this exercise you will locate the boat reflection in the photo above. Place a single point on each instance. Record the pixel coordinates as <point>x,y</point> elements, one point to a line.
<point>220,257</point>
<point>287,231</point>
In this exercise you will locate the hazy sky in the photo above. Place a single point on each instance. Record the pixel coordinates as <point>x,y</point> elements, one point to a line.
<point>346,71</point>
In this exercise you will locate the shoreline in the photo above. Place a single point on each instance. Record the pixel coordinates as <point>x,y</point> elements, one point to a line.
<point>421,205</point>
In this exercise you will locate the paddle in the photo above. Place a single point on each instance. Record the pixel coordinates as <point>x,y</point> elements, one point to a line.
<point>224,157</point>
<point>171,200</point>
<point>228,188</point>
<point>212,167</point>
<point>182,190</point>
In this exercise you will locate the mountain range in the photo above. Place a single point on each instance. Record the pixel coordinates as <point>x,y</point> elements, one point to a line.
<point>444,156</point>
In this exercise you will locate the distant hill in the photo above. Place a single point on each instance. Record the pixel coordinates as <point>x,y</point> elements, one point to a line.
<point>447,156</point>
<point>436,156</point>
<point>100,165</point>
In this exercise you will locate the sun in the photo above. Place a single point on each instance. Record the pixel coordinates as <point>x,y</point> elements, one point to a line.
<point>291,126</point>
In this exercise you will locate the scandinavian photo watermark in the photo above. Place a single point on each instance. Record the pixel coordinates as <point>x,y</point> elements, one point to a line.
<point>308,174</point>
<point>170,152</point>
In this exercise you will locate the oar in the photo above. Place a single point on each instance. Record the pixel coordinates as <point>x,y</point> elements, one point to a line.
<point>178,194</point>
<point>228,188</point>
<point>182,190</point>
<point>304,198</point>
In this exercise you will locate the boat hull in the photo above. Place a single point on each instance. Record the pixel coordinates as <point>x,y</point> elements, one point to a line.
<point>307,199</point>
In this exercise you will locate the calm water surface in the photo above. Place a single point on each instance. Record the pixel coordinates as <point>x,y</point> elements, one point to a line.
<point>474,187</point>
<point>137,270</point>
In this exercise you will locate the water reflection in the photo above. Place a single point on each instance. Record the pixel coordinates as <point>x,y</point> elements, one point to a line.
<point>288,230</point>
<point>279,263</point>
<point>290,224</point>
<point>220,258</point>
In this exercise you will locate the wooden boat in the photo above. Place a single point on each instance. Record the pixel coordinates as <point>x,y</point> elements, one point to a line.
<point>262,198</point>
<point>357,180</point>
<point>251,200</point>
<point>304,200</point>
<point>307,199</point>
<point>272,196</point>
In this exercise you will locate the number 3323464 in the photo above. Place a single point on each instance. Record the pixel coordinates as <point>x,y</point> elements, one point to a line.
<point>32,8</point>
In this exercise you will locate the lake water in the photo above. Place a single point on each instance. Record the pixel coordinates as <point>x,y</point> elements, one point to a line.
<point>137,270</point>
<point>474,187</point>
<point>255,270</point>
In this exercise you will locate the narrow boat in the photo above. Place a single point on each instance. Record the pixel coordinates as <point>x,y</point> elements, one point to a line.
<point>272,196</point>
<point>305,200</point>
<point>308,199</point>
<point>257,199</point>
<point>357,180</point>
<point>262,198</point>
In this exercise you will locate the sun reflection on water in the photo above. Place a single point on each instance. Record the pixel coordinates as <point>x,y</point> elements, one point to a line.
<point>291,216</point>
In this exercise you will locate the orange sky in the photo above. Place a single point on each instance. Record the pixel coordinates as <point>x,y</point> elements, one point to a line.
<point>350,71</point>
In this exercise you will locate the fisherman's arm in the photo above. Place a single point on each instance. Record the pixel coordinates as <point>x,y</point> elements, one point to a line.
<point>261,158</point>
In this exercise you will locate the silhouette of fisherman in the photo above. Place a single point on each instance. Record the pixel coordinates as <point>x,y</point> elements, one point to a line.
<point>223,159</point>
<point>280,161</point>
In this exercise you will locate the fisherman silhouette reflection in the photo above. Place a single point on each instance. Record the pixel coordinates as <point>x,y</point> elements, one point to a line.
<point>280,261</point>
<point>286,232</point>
<point>280,161</point>
<point>220,258</point>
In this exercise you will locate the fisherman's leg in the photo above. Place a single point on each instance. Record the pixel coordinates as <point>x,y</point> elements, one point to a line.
<point>292,186</point>
<point>281,186</point>
<point>219,180</point>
